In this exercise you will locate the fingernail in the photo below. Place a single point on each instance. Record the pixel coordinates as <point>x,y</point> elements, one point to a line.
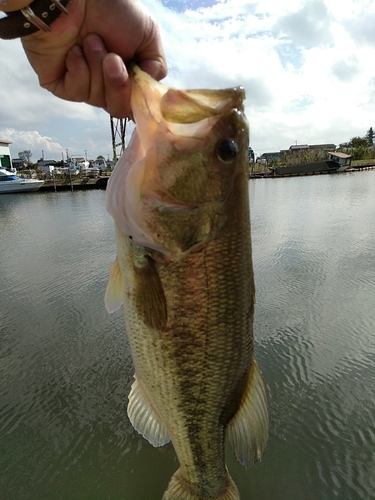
<point>95,43</point>
<point>114,67</point>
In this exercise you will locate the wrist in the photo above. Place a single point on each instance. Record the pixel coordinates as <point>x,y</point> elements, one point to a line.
<point>36,16</point>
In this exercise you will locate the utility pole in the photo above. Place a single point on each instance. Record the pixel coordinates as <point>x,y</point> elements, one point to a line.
<point>118,127</point>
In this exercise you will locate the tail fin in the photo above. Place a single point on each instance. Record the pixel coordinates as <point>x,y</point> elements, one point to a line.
<point>179,489</point>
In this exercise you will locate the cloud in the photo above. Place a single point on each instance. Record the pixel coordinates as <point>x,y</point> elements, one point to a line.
<point>346,70</point>
<point>183,5</point>
<point>34,119</point>
<point>362,28</point>
<point>306,66</point>
<point>30,140</point>
<point>309,26</point>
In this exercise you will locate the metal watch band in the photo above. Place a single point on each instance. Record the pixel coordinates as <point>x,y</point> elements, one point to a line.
<point>39,15</point>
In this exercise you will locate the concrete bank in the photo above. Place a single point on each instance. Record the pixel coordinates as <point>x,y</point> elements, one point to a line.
<point>273,175</point>
<point>75,184</point>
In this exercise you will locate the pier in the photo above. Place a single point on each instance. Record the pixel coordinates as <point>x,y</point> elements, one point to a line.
<point>80,184</point>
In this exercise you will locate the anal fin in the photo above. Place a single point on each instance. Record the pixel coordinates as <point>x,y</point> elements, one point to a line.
<point>248,429</point>
<point>144,418</point>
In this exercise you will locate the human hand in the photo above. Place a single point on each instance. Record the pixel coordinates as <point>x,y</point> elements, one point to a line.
<point>82,57</point>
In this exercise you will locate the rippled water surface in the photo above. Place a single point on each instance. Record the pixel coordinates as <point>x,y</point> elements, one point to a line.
<point>65,367</point>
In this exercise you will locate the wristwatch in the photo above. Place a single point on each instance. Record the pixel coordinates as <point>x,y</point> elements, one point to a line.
<point>39,15</point>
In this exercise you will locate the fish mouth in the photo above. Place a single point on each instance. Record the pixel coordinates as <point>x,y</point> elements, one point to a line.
<point>181,107</point>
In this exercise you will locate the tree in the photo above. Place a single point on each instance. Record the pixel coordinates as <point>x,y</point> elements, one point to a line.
<point>370,136</point>
<point>356,142</point>
<point>25,155</point>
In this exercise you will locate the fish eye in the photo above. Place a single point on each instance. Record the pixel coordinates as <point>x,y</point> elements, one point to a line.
<point>227,150</point>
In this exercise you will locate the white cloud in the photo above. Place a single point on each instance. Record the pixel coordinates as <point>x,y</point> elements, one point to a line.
<point>309,26</point>
<point>306,67</point>
<point>31,140</point>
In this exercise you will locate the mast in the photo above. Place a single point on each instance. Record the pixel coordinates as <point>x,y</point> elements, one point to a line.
<point>118,128</point>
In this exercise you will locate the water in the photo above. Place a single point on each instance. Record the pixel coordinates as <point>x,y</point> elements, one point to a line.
<point>65,367</point>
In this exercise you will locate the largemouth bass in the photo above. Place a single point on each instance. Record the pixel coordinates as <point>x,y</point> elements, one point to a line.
<point>179,199</point>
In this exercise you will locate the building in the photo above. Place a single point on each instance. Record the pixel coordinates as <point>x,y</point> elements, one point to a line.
<point>295,148</point>
<point>325,147</point>
<point>41,163</point>
<point>266,157</point>
<point>19,163</point>
<point>5,158</point>
<point>309,147</point>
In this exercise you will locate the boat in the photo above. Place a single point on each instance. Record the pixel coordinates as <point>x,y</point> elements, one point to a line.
<point>11,183</point>
<point>337,162</point>
<point>79,161</point>
<point>342,160</point>
<point>92,172</point>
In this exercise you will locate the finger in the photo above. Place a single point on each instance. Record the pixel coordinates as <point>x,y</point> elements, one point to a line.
<point>150,54</point>
<point>75,83</point>
<point>95,52</point>
<point>156,69</point>
<point>117,86</point>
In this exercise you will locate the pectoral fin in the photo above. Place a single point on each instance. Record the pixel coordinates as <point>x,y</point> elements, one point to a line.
<point>150,300</point>
<point>248,429</point>
<point>113,294</point>
<point>145,418</point>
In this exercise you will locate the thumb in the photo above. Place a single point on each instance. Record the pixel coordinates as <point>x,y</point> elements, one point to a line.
<point>156,69</point>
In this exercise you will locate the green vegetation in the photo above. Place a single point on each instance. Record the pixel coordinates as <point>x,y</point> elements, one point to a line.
<point>299,157</point>
<point>361,148</point>
<point>370,136</point>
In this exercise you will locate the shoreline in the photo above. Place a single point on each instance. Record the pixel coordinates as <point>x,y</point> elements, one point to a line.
<point>75,184</point>
<point>272,175</point>
<point>101,181</point>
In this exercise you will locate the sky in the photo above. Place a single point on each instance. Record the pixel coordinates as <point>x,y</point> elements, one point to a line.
<point>307,68</point>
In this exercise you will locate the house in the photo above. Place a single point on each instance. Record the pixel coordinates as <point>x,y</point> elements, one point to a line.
<point>41,163</point>
<point>266,157</point>
<point>326,147</point>
<point>296,147</point>
<point>5,158</point>
<point>19,163</point>
<point>308,147</point>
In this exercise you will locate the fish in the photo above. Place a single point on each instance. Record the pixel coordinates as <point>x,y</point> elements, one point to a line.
<point>184,274</point>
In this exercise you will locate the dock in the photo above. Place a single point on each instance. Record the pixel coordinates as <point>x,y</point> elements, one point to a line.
<point>74,184</point>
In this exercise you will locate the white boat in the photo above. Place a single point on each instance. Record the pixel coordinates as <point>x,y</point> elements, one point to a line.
<point>11,183</point>
<point>79,161</point>
<point>92,172</point>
